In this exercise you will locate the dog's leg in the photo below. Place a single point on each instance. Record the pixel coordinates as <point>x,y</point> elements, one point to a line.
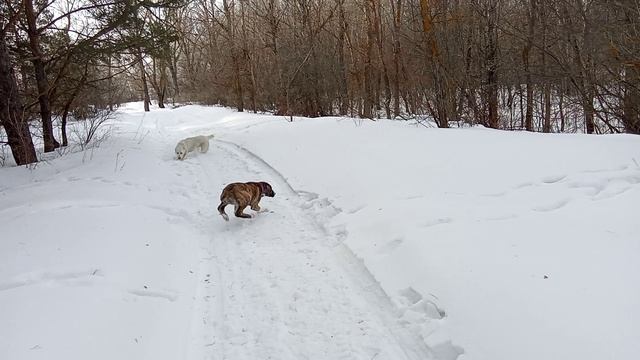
<point>221,211</point>
<point>239,212</point>
<point>204,147</point>
<point>255,206</point>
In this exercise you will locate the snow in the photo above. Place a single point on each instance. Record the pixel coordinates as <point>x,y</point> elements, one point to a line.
<point>385,240</point>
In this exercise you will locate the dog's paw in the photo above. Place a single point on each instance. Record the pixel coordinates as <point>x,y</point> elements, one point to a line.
<point>225,217</point>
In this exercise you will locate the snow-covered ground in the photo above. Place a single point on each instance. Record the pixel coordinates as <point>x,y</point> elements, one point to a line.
<point>384,241</point>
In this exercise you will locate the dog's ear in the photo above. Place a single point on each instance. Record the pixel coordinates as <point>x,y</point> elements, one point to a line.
<point>263,187</point>
<point>266,189</point>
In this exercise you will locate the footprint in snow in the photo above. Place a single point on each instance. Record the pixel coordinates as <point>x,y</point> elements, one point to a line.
<point>553,179</point>
<point>391,246</point>
<point>416,308</point>
<point>553,206</point>
<point>439,221</point>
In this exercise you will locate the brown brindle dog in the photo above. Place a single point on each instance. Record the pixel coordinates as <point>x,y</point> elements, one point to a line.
<point>242,195</point>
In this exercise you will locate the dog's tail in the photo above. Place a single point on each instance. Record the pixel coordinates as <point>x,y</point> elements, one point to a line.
<point>221,211</point>
<point>210,136</point>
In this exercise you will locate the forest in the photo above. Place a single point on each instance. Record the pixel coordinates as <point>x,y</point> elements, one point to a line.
<point>534,65</point>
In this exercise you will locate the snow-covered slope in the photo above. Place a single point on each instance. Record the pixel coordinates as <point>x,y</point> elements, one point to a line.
<point>384,241</point>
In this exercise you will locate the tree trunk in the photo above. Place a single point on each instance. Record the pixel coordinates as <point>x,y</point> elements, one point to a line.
<point>528,119</point>
<point>469,90</point>
<point>344,93</point>
<point>631,107</point>
<point>173,69</point>
<point>385,72</point>
<point>531,18</point>
<point>546,126</point>
<point>437,69</point>
<point>162,95</point>
<point>367,111</point>
<point>109,84</point>
<point>318,109</point>
<point>11,115</point>
<point>522,112</point>
<point>252,91</point>
<point>50,142</point>
<point>587,107</point>
<point>546,87</point>
<point>237,81</point>
<point>235,57</point>
<point>159,80</point>
<point>63,123</point>
<point>631,65</point>
<point>246,58</point>
<point>427,25</point>
<point>561,110</point>
<point>67,105</point>
<point>582,76</point>
<point>397,11</point>
<point>143,75</point>
<point>272,43</point>
<point>492,65</point>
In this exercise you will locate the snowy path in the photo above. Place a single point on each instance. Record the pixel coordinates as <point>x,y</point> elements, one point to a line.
<point>279,286</point>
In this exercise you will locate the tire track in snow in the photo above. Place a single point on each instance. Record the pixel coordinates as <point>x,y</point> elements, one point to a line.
<point>283,288</point>
<point>253,157</point>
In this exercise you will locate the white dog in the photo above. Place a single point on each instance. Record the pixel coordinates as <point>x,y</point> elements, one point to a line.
<point>188,145</point>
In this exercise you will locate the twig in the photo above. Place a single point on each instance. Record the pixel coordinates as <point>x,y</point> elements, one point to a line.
<point>117,160</point>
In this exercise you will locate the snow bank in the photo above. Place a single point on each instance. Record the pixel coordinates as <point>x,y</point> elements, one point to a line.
<point>513,245</point>
<point>94,262</point>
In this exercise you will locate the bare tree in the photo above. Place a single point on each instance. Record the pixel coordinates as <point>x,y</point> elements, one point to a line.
<point>536,65</point>
<point>11,114</point>
<point>50,143</point>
